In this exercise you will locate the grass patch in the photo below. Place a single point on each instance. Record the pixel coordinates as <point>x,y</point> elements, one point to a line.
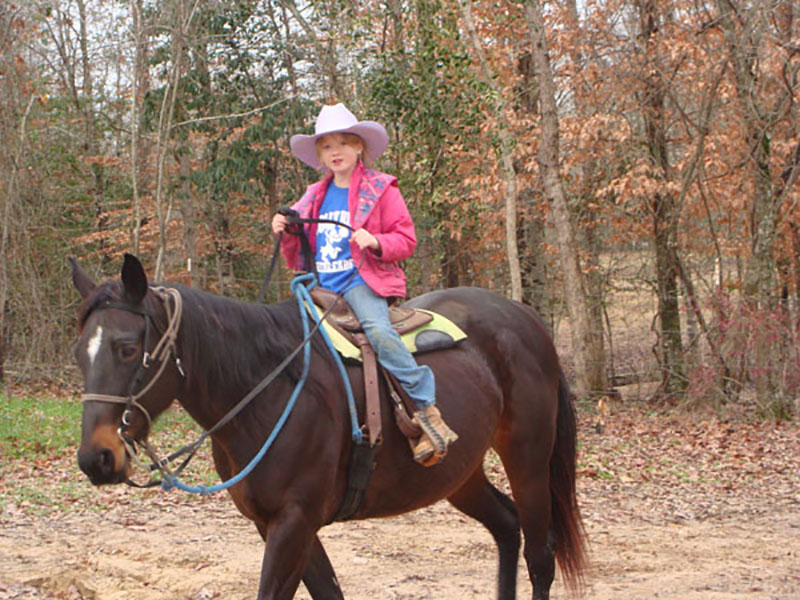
<point>39,473</point>
<point>37,427</point>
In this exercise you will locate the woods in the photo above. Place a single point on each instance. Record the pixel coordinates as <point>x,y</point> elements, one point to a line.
<point>628,167</point>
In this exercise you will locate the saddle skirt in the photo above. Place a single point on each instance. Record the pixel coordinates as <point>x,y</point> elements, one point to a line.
<point>420,330</point>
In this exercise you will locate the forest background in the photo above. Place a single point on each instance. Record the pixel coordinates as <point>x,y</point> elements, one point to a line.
<point>628,167</point>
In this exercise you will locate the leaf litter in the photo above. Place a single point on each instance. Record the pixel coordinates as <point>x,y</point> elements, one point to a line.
<point>676,505</point>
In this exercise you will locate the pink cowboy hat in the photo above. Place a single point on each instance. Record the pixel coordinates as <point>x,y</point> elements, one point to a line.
<point>337,119</point>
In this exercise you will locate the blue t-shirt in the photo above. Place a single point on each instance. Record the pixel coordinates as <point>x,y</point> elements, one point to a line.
<point>333,258</point>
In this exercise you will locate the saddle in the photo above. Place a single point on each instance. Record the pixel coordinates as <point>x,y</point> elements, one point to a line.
<point>403,319</point>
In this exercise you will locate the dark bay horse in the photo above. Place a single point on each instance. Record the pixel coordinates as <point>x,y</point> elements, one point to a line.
<point>500,388</point>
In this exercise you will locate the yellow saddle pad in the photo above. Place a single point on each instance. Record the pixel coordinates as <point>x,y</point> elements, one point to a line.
<point>439,333</point>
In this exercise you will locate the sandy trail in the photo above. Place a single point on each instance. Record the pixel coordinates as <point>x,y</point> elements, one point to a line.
<point>673,509</point>
<point>205,550</point>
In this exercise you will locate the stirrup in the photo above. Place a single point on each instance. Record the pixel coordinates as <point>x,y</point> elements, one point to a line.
<point>429,431</point>
<point>431,447</point>
<point>422,448</point>
<point>422,451</point>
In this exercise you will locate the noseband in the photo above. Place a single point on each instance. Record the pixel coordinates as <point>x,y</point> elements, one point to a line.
<point>162,351</point>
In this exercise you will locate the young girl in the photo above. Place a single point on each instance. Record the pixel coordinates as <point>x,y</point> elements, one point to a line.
<point>363,265</point>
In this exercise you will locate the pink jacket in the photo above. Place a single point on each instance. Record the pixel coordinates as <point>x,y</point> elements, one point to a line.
<point>377,205</point>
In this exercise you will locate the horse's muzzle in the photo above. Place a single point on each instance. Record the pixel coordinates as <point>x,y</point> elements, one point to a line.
<point>101,465</point>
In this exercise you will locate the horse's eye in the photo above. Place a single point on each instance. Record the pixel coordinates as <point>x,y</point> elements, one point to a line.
<point>128,351</point>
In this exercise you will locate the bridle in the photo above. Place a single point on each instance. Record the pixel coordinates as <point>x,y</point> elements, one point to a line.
<point>164,348</point>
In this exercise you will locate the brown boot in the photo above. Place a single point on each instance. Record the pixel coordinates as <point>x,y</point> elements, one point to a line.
<point>435,438</point>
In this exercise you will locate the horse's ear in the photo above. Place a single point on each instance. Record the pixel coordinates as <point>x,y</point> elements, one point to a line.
<point>82,282</point>
<point>134,279</point>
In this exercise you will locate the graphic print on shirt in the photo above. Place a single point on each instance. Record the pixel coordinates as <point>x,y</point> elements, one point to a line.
<point>336,270</point>
<point>333,240</point>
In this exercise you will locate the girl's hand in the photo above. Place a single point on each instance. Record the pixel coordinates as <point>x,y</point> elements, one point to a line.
<point>364,239</point>
<point>279,223</point>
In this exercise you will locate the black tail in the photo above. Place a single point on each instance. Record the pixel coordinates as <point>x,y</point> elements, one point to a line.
<point>567,525</point>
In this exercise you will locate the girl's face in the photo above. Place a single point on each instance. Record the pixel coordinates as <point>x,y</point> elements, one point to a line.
<point>339,153</point>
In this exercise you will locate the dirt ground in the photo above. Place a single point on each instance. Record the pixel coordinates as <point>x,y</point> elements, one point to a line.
<point>682,508</point>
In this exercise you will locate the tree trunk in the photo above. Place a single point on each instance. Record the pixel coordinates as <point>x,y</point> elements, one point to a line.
<point>172,91</point>
<point>743,34</point>
<point>506,153</point>
<point>760,113</point>
<point>586,339</point>
<point>91,142</point>
<point>11,155</point>
<point>187,212</point>
<point>449,264</point>
<point>533,263</point>
<point>587,229</point>
<point>187,195</point>
<point>759,283</point>
<point>664,211</point>
<point>139,151</point>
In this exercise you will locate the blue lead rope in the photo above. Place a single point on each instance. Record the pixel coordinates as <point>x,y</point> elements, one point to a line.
<point>351,403</point>
<point>304,299</point>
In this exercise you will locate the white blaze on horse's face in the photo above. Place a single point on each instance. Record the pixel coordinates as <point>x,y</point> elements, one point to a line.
<point>93,347</point>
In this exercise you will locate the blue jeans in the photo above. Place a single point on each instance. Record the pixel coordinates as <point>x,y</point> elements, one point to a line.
<point>373,312</point>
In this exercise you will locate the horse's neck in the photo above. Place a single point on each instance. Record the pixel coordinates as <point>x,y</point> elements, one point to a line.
<point>232,347</point>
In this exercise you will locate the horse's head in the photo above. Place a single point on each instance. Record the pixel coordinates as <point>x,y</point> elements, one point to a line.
<point>122,325</point>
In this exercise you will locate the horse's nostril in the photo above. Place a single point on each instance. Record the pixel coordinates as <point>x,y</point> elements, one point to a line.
<point>97,464</point>
<point>105,460</point>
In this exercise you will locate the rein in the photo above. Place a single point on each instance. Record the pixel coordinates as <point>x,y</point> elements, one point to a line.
<point>296,223</point>
<point>302,293</point>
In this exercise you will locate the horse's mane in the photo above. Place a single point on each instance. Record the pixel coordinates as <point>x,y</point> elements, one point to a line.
<point>237,343</point>
<point>227,343</point>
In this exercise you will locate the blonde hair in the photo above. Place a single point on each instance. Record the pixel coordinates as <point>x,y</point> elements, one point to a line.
<point>351,139</point>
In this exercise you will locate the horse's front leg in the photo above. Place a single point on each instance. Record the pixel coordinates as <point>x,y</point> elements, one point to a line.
<point>290,542</point>
<point>319,578</point>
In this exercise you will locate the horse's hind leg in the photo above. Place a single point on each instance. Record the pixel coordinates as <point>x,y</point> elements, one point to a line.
<point>482,501</point>
<point>526,462</point>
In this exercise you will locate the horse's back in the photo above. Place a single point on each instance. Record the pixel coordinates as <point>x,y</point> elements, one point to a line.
<point>494,323</point>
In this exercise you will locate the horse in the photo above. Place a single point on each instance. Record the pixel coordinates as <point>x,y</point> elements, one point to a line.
<point>502,387</point>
